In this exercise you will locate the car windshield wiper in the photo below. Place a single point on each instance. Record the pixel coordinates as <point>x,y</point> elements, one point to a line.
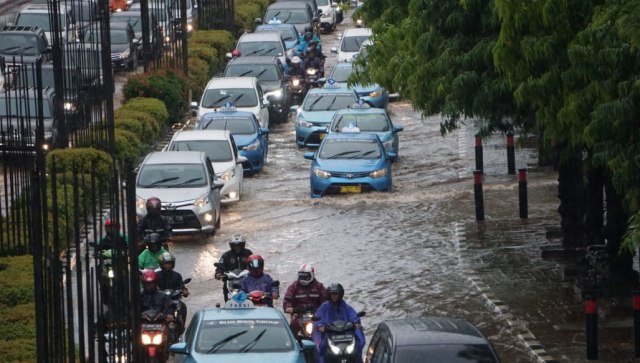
<point>252,343</point>
<point>245,73</point>
<point>214,348</point>
<point>269,50</point>
<point>261,73</point>
<point>254,52</point>
<point>161,181</point>
<point>287,19</point>
<point>332,102</point>
<point>218,100</point>
<point>185,182</point>
<point>208,123</point>
<point>237,98</point>
<point>344,153</point>
<point>314,103</point>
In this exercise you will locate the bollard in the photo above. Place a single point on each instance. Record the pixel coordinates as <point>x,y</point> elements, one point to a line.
<point>479,160</point>
<point>477,191</point>
<point>636,320</point>
<point>522,193</point>
<point>591,312</point>
<point>511,155</point>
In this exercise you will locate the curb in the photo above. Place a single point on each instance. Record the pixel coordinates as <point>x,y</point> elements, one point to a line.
<point>524,335</point>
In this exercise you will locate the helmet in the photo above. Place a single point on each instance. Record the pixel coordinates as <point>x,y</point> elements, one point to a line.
<point>154,204</point>
<point>237,240</point>
<point>308,29</point>
<point>296,60</point>
<point>153,238</point>
<point>308,35</point>
<point>312,42</point>
<point>255,263</point>
<point>167,257</point>
<point>110,223</point>
<point>149,276</point>
<point>235,53</point>
<point>336,288</point>
<point>306,274</point>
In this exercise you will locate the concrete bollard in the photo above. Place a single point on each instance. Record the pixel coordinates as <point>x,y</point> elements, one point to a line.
<point>479,198</point>
<point>479,157</point>
<point>522,193</point>
<point>511,155</point>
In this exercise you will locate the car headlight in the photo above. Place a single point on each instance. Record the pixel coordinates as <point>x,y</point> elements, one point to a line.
<point>227,174</point>
<point>276,94</point>
<point>321,173</point>
<point>69,106</point>
<point>253,146</point>
<point>48,135</point>
<point>378,173</point>
<point>351,347</point>
<point>189,27</point>
<point>124,54</point>
<point>303,123</point>
<point>201,202</point>
<point>376,93</point>
<point>388,145</point>
<point>140,203</point>
<point>334,348</point>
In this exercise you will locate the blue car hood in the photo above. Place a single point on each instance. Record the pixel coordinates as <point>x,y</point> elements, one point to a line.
<point>244,140</point>
<point>288,357</point>
<point>350,166</point>
<point>318,116</point>
<point>366,88</point>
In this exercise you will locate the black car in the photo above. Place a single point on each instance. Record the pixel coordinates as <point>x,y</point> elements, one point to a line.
<point>134,17</point>
<point>274,83</point>
<point>432,339</point>
<point>124,45</point>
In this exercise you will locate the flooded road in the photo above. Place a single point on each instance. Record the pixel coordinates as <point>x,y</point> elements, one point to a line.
<point>396,254</point>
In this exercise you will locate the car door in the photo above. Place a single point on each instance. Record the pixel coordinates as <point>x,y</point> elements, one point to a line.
<point>214,192</point>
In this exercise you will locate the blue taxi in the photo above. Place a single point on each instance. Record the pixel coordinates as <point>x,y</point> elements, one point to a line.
<point>240,333</point>
<point>350,162</point>
<point>373,94</point>
<point>317,110</point>
<point>368,119</point>
<point>251,140</point>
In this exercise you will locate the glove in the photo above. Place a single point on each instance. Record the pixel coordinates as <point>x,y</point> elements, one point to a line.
<point>218,276</point>
<point>321,328</point>
<point>289,310</point>
<point>185,292</point>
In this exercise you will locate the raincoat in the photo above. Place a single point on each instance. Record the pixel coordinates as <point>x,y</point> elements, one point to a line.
<point>328,313</point>
<point>262,283</point>
<point>149,260</point>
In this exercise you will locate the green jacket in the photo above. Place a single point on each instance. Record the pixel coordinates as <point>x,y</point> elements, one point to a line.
<point>149,260</point>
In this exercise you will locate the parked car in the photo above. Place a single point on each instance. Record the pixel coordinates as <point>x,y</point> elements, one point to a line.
<point>37,15</point>
<point>134,17</point>
<point>297,13</point>
<point>350,163</point>
<point>186,184</point>
<point>350,43</point>
<point>220,147</point>
<point>272,79</point>
<point>240,333</point>
<point>373,94</point>
<point>252,140</point>
<point>243,93</point>
<point>432,339</point>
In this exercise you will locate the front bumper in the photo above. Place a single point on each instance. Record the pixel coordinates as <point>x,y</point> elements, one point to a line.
<point>254,163</point>
<point>119,64</point>
<point>186,220</point>
<point>362,181</point>
<point>310,136</point>
<point>230,192</point>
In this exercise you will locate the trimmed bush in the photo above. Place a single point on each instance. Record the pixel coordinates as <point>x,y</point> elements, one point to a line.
<point>208,55</point>
<point>220,40</point>
<point>165,85</point>
<point>198,77</point>
<point>16,280</point>
<point>146,119</point>
<point>246,15</point>
<point>153,106</point>
<point>129,148</point>
<point>21,350</point>
<point>145,135</point>
<point>84,159</point>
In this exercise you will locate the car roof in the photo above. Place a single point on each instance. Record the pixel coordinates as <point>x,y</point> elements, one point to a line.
<point>289,5</point>
<point>325,90</point>
<point>433,330</point>
<point>175,157</point>
<point>232,82</point>
<point>41,8</point>
<point>227,114</point>
<point>201,135</point>
<point>29,92</point>
<point>260,36</point>
<point>352,135</point>
<point>270,27</point>
<point>356,32</point>
<point>369,110</point>
<point>251,313</point>
<point>263,59</point>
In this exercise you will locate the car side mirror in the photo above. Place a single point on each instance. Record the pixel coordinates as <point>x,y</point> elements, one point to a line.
<point>307,345</point>
<point>194,108</point>
<point>294,108</point>
<point>334,50</point>
<point>258,21</point>
<point>319,11</point>
<point>309,155</point>
<point>391,154</point>
<point>180,348</point>
<point>398,128</point>
<point>228,55</point>
<point>134,41</point>
<point>242,159</point>
<point>266,102</point>
<point>264,131</point>
<point>217,185</point>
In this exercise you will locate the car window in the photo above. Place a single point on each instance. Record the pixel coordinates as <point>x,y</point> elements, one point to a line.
<point>264,72</point>
<point>350,149</point>
<point>191,330</point>
<point>246,335</point>
<point>450,353</point>
<point>16,106</point>
<point>248,49</point>
<point>236,126</point>
<point>172,176</point>
<point>216,150</point>
<point>136,22</point>
<point>240,97</point>
<point>364,122</point>
<point>382,353</point>
<point>19,44</point>
<point>328,102</point>
<point>352,43</point>
<point>322,2</point>
<point>340,74</point>
<point>41,20</point>
<point>119,36</point>
<point>293,16</point>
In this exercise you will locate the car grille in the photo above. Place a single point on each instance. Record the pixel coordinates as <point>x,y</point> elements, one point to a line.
<point>350,175</point>
<point>182,219</point>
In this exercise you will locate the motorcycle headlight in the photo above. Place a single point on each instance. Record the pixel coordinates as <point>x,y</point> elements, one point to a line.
<point>167,39</point>
<point>227,174</point>
<point>189,27</point>
<point>201,202</point>
<point>140,203</point>
<point>351,347</point>
<point>295,82</point>
<point>308,328</point>
<point>321,173</point>
<point>378,173</point>
<point>359,22</point>
<point>276,94</point>
<point>124,54</point>
<point>146,339</point>
<point>334,348</point>
<point>303,123</point>
<point>311,71</point>
<point>110,273</point>
<point>69,106</point>
<point>253,146</point>
<point>157,339</point>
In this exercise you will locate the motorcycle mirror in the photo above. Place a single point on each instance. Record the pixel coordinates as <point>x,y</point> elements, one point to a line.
<point>315,318</point>
<point>276,283</point>
<point>186,281</point>
<point>362,313</point>
<point>218,264</point>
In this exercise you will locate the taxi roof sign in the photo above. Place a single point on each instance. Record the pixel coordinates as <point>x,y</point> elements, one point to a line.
<point>275,20</point>
<point>228,107</point>
<point>331,83</point>
<point>360,105</point>
<point>239,301</point>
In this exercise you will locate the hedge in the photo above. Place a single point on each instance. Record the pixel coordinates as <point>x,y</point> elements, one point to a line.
<point>165,85</point>
<point>155,107</point>
<point>84,159</point>
<point>206,54</point>
<point>246,14</point>
<point>157,127</point>
<point>198,77</point>
<point>129,148</point>
<point>220,40</point>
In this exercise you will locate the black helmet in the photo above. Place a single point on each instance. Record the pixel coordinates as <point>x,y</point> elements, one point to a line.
<point>167,257</point>
<point>153,204</point>
<point>153,238</point>
<point>308,29</point>
<point>237,240</point>
<point>336,288</point>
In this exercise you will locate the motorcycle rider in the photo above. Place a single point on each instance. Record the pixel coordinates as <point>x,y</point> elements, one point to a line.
<point>153,222</point>
<point>233,259</point>
<point>151,298</point>
<point>304,294</point>
<point>312,60</point>
<point>337,309</point>
<point>168,279</point>
<point>258,280</point>
<point>148,259</point>
<point>113,242</point>
<point>305,38</point>
<point>113,239</point>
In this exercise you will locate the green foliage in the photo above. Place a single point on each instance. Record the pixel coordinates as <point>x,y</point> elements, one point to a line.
<point>208,55</point>
<point>151,123</point>
<point>165,85</point>
<point>16,280</point>
<point>246,13</point>
<point>129,148</point>
<point>198,77</point>
<point>221,41</point>
<point>19,350</point>
<point>17,309</point>
<point>153,106</point>
<point>82,160</point>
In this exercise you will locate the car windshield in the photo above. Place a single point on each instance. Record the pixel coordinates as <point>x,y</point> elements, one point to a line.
<point>172,176</point>
<point>248,49</point>
<point>353,43</point>
<point>235,126</point>
<point>350,149</point>
<point>264,72</point>
<point>240,97</point>
<point>328,102</point>
<point>18,44</point>
<point>322,2</point>
<point>364,122</point>
<point>135,21</point>
<point>41,20</point>
<point>287,34</point>
<point>341,74</point>
<point>118,36</point>
<point>216,150</point>
<point>293,16</point>
<point>18,106</point>
<point>450,353</point>
<point>85,11</point>
<point>243,335</point>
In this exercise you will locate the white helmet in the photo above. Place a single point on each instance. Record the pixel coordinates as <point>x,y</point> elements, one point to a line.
<point>296,60</point>
<point>306,274</point>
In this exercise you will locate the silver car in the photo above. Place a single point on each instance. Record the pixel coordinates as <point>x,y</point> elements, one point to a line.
<point>185,183</point>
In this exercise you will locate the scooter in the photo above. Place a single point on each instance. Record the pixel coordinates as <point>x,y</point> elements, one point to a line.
<point>234,278</point>
<point>153,334</point>
<point>305,320</point>
<point>313,75</point>
<point>176,328</point>
<point>297,89</point>
<point>341,342</point>
<point>259,297</point>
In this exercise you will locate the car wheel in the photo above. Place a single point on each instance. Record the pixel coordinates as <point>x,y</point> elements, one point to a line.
<point>265,158</point>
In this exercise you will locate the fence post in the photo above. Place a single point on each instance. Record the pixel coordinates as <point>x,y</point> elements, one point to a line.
<point>479,156</point>
<point>522,193</point>
<point>636,320</point>
<point>511,155</point>
<point>591,313</point>
<point>479,198</point>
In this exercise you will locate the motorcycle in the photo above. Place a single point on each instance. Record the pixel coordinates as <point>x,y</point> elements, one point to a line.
<point>176,328</point>
<point>305,320</point>
<point>313,75</point>
<point>154,336</point>
<point>151,235</point>
<point>341,341</point>
<point>258,297</point>
<point>297,89</point>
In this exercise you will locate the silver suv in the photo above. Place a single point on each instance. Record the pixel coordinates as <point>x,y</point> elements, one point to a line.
<point>37,15</point>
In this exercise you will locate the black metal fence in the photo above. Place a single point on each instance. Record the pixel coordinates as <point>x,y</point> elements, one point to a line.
<point>216,15</point>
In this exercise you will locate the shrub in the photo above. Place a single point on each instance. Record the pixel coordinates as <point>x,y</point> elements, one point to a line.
<point>129,148</point>
<point>197,77</point>
<point>207,54</point>
<point>162,84</point>
<point>20,350</point>
<point>155,107</point>
<point>246,15</point>
<point>83,159</point>
<point>146,135</point>
<point>16,280</point>
<point>220,40</point>
<point>146,119</point>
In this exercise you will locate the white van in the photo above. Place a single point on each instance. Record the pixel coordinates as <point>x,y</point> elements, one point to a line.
<point>351,42</point>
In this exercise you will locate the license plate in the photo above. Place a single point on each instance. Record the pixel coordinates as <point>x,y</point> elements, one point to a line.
<point>322,135</point>
<point>341,338</point>
<point>152,327</point>
<point>174,219</point>
<point>350,189</point>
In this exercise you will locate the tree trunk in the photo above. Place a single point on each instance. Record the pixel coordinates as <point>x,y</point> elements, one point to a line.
<point>621,262</point>
<point>595,207</point>
<point>572,201</point>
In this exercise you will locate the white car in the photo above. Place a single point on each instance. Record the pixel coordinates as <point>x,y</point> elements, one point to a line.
<point>351,42</point>
<point>243,93</point>
<point>328,20</point>
<point>221,149</point>
<point>268,43</point>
